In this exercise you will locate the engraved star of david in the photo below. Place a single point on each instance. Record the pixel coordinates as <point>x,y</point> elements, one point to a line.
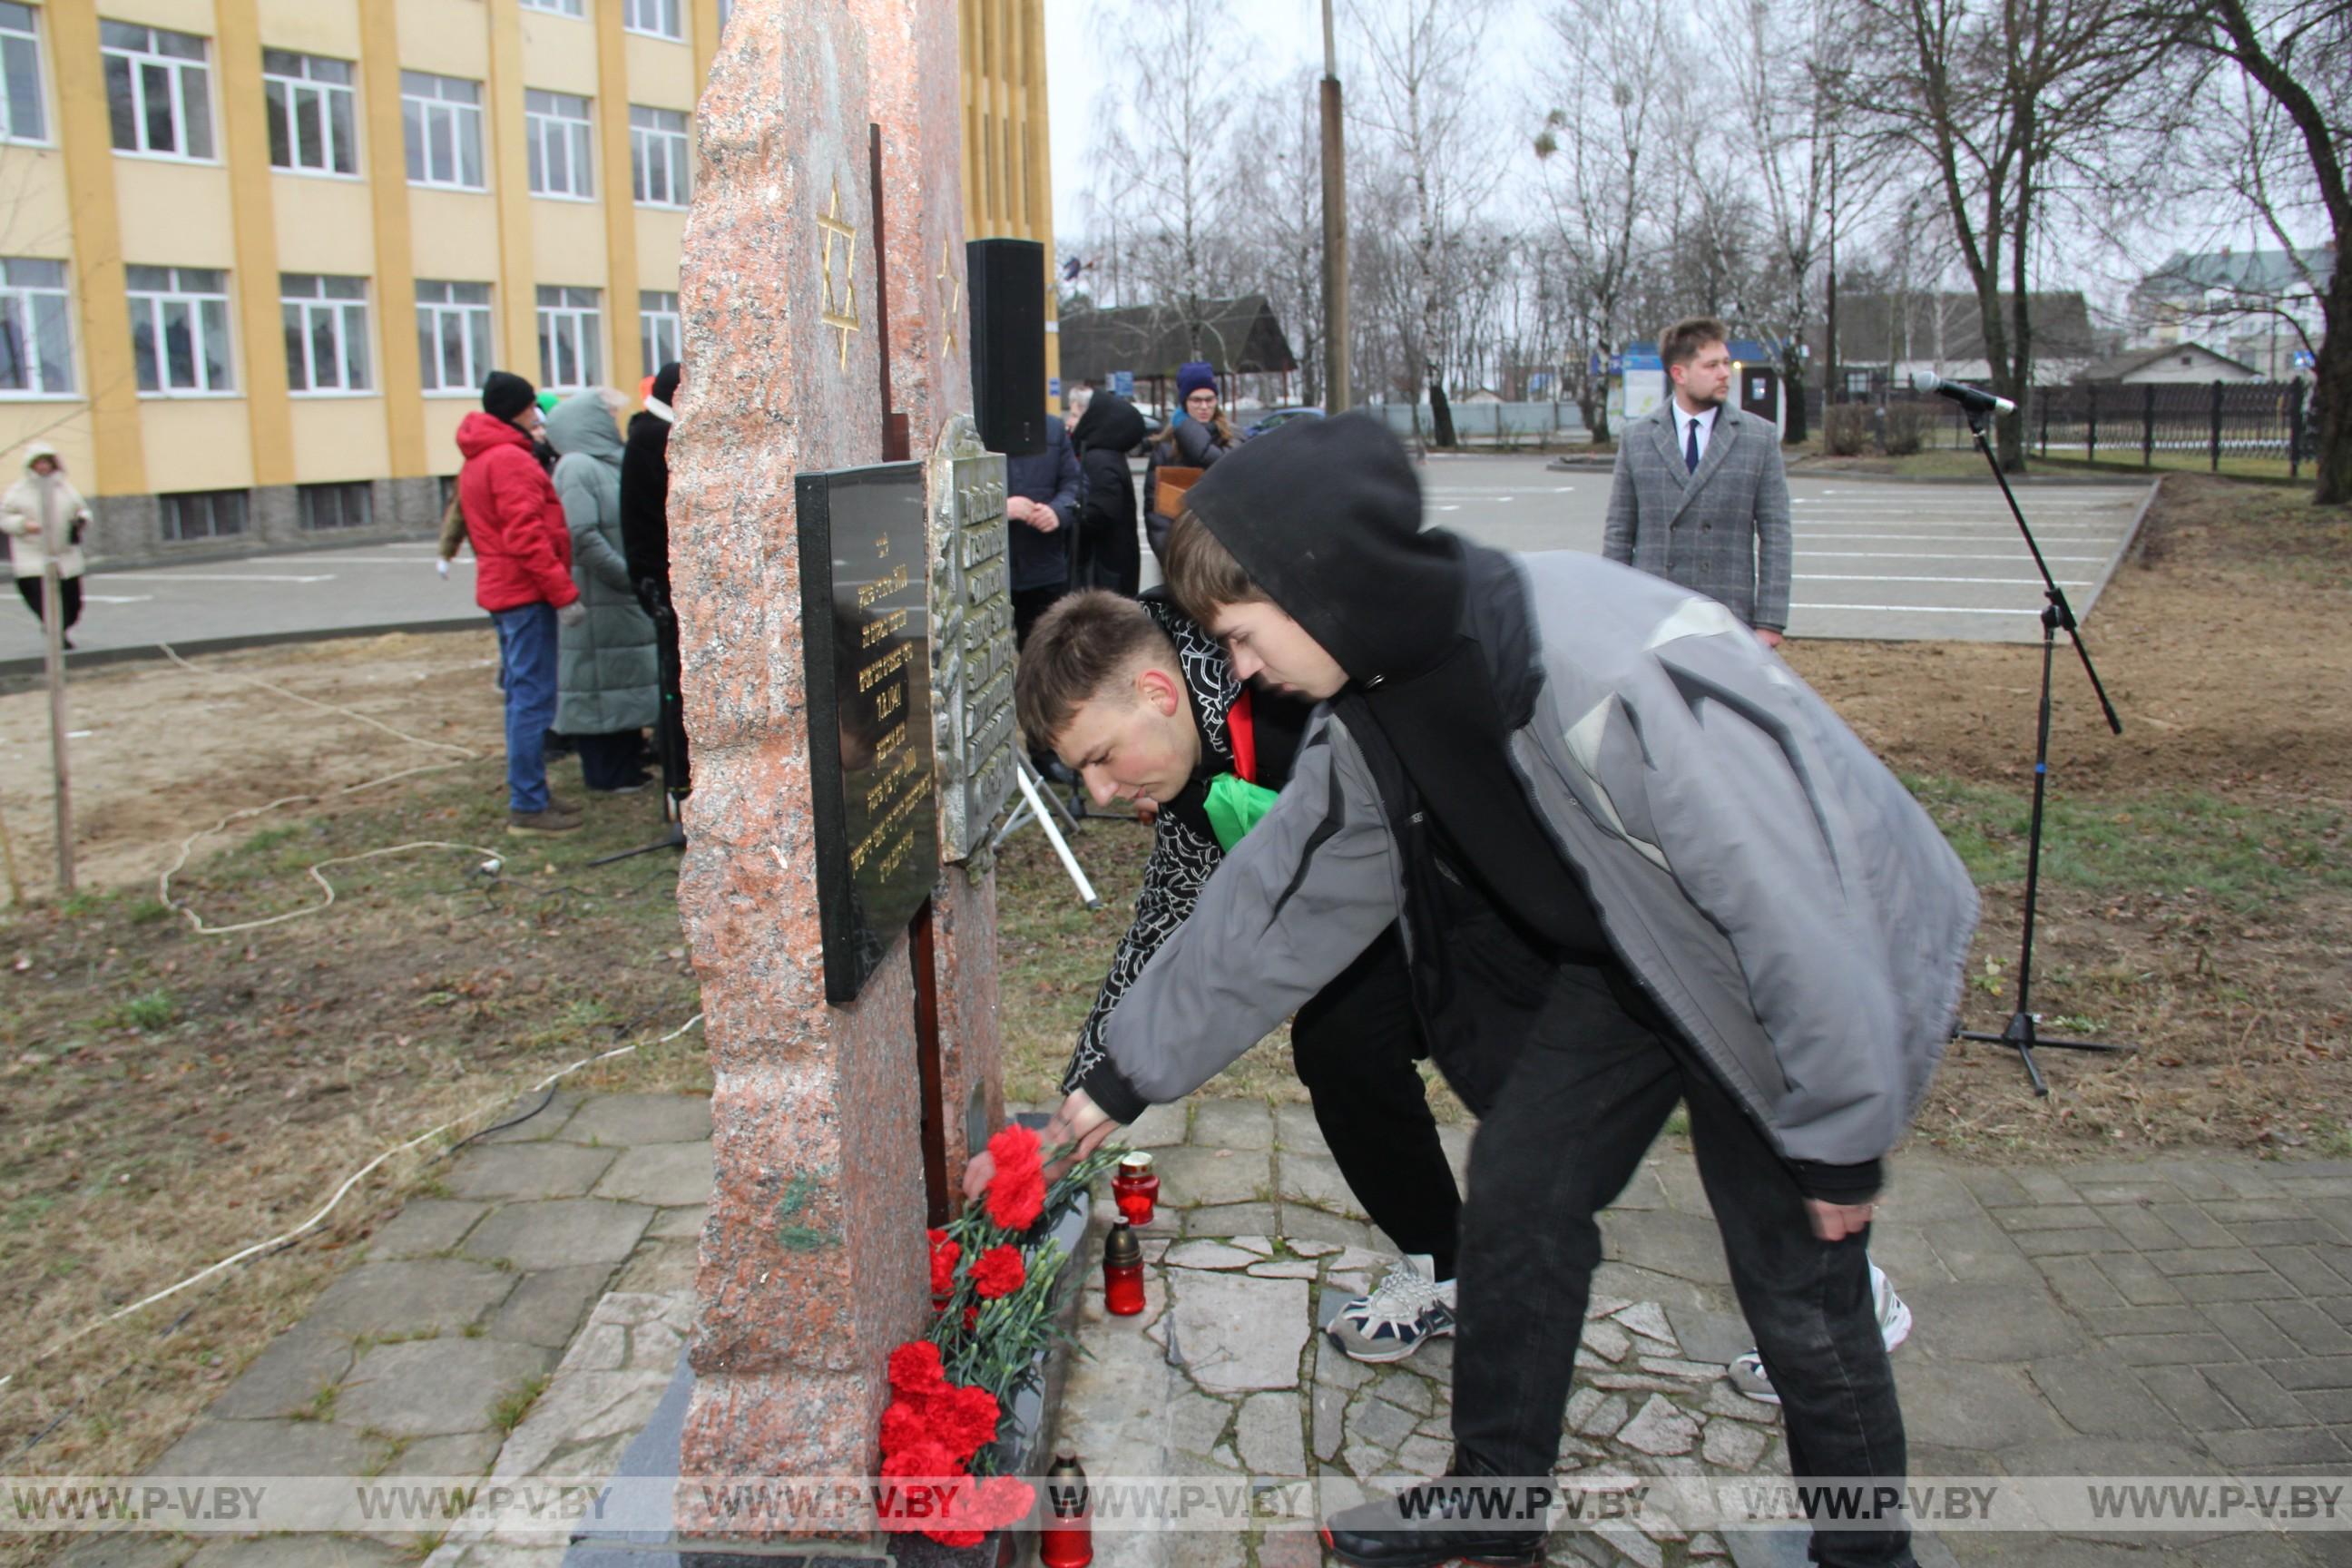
<point>951,286</point>
<point>839,308</point>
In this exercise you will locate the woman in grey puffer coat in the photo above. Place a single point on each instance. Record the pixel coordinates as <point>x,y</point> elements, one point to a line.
<point>607,679</point>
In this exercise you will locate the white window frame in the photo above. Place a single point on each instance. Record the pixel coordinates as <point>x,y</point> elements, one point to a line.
<point>206,306</point>
<point>27,307</point>
<point>570,319</point>
<point>557,7</point>
<point>20,61</point>
<point>661,159</point>
<point>659,327</point>
<point>287,80</point>
<point>439,305</point>
<point>655,18</point>
<point>554,134</point>
<point>421,110</point>
<point>186,79</point>
<point>317,308</point>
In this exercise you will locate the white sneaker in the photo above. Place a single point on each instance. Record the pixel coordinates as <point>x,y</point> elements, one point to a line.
<point>1747,1370</point>
<point>1403,1311</point>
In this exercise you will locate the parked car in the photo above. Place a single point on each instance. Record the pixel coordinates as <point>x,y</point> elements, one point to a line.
<point>1274,416</point>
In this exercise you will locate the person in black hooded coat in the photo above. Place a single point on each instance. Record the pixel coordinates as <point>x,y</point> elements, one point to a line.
<point>1110,556</point>
<point>644,541</point>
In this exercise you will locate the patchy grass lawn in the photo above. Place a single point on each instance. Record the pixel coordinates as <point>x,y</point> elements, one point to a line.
<point>2196,900</point>
<point>168,1098</point>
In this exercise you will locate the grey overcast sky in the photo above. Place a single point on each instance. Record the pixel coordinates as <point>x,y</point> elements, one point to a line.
<point>1289,34</point>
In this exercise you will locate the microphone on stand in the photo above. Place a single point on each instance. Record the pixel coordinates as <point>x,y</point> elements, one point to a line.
<point>1975,399</point>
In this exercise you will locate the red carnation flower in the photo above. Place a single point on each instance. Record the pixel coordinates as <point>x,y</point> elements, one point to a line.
<point>913,1506</point>
<point>1005,1500</point>
<point>1016,1194</point>
<point>1015,1149</point>
<point>926,1460</point>
<point>915,1370</point>
<point>999,1272</point>
<point>963,1420</point>
<point>944,1254</point>
<point>903,1426</point>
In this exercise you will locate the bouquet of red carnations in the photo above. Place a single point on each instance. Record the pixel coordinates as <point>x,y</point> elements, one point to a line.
<point>993,1287</point>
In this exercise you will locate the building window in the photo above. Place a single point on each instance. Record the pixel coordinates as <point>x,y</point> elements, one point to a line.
<point>36,328</point>
<point>726,9</point>
<point>561,7</point>
<point>158,91</point>
<point>326,332</point>
<point>337,505</point>
<point>179,329</point>
<point>557,126</point>
<point>658,18</point>
<point>441,121</point>
<point>571,323</point>
<point>202,515</point>
<point>312,125</point>
<point>659,331</point>
<point>658,157</point>
<point>453,335</point>
<point>20,76</point>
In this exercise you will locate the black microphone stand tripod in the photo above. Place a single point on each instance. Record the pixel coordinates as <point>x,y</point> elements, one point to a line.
<point>2022,1034</point>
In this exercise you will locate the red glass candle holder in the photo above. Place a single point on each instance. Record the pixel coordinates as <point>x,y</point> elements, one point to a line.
<point>1122,1272</point>
<point>1135,1188</point>
<point>1067,1538</point>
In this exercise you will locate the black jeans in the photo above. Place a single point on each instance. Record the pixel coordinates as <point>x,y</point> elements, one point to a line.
<point>1355,1044</point>
<point>68,598</point>
<point>610,762</point>
<point>1586,1096</point>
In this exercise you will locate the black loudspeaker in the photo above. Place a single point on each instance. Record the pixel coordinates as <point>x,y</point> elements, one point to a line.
<point>1007,280</point>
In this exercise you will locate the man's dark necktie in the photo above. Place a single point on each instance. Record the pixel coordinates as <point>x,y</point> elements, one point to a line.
<point>1690,446</point>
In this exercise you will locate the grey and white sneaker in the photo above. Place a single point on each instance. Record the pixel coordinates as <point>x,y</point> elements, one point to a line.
<point>1747,1370</point>
<point>1403,1311</point>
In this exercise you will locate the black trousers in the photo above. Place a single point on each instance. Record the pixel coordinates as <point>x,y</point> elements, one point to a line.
<point>1355,1045</point>
<point>1028,604</point>
<point>610,762</point>
<point>1586,1095</point>
<point>68,597</point>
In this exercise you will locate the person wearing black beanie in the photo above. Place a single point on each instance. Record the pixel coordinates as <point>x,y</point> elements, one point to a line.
<point>1636,863</point>
<point>506,394</point>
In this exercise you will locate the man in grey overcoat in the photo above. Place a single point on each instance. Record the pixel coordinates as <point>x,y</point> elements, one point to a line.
<point>1699,496</point>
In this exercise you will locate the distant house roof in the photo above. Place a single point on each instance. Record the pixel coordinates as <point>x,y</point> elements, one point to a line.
<point>2122,367</point>
<point>1884,329</point>
<point>1237,336</point>
<point>2259,272</point>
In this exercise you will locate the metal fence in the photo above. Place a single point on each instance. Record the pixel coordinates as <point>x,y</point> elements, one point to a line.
<point>1496,424</point>
<point>2260,427</point>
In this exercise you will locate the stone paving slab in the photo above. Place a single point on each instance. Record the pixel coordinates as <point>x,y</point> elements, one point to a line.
<point>2182,1317</point>
<point>412,1361</point>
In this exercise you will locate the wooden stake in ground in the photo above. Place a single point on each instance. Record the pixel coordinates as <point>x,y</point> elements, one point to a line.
<point>8,860</point>
<point>53,624</point>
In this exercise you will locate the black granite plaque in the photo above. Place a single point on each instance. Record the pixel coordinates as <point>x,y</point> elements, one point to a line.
<point>865,625</point>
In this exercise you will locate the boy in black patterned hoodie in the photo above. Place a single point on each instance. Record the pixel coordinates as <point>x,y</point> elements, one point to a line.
<point>1142,704</point>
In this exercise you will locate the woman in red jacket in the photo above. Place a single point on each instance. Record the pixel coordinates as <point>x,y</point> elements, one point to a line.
<point>522,552</point>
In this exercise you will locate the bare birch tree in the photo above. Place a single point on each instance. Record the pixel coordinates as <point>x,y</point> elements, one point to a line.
<point>1419,99</point>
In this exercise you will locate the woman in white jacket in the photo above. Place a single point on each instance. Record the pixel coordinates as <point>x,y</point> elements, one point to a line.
<point>44,517</point>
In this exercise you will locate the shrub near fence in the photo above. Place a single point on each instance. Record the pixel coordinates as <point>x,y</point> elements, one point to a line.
<point>2259,428</point>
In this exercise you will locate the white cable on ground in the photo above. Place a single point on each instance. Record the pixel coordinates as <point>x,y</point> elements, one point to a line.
<point>349,1181</point>
<point>187,846</point>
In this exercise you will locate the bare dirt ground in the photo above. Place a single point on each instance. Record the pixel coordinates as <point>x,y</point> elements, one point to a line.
<point>2195,897</point>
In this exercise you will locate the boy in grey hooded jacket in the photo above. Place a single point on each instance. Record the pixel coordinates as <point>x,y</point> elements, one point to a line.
<point>1636,861</point>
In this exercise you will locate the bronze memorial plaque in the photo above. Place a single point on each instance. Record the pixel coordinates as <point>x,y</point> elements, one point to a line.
<point>971,629</point>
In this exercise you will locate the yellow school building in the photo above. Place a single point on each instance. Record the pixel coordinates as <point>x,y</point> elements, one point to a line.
<point>257,256</point>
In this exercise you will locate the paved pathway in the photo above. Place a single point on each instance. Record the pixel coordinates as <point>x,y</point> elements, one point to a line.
<point>417,1360</point>
<point>2181,1317</point>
